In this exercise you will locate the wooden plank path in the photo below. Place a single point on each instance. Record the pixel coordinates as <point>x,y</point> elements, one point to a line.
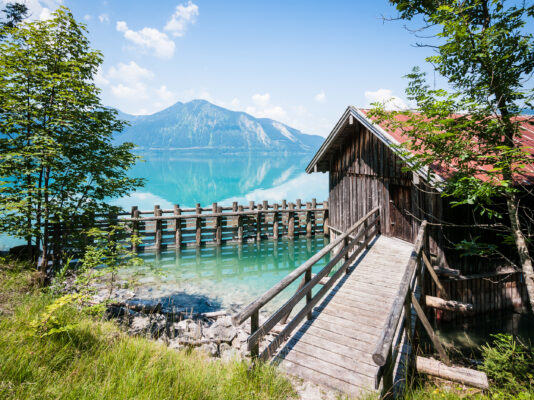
<point>335,347</point>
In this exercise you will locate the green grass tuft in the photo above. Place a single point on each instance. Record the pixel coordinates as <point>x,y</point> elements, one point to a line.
<point>96,360</point>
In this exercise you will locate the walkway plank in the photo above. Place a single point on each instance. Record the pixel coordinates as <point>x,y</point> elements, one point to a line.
<point>335,348</point>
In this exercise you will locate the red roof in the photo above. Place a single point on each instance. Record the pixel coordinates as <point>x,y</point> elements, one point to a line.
<point>526,139</point>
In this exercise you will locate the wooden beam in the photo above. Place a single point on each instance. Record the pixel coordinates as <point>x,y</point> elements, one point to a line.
<point>435,278</point>
<point>465,376</point>
<point>433,337</point>
<point>449,305</point>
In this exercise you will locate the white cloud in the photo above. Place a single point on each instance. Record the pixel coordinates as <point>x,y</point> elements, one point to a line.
<point>166,95</point>
<point>320,97</point>
<point>386,97</point>
<point>100,79</point>
<point>149,38</point>
<point>87,17</point>
<point>130,72</point>
<point>186,14</point>
<point>263,108</point>
<point>133,91</point>
<point>103,18</point>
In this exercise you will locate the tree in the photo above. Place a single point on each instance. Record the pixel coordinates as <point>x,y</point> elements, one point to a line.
<point>472,130</point>
<point>14,14</point>
<point>58,162</point>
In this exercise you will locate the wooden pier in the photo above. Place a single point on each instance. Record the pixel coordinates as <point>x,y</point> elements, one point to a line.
<point>197,226</point>
<point>354,332</point>
<point>160,229</point>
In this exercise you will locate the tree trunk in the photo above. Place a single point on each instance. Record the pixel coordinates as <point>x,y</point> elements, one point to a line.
<point>522,248</point>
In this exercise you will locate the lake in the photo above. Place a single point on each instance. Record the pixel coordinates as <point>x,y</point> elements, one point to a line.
<point>189,178</point>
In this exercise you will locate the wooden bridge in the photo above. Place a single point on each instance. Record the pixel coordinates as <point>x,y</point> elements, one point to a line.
<point>353,332</point>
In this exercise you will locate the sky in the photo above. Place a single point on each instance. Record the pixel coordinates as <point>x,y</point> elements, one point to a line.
<point>298,62</point>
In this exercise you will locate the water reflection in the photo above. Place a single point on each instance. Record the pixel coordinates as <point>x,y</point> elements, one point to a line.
<point>231,275</point>
<point>205,178</point>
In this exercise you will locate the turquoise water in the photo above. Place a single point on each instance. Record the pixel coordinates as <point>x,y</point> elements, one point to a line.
<point>174,177</point>
<point>222,277</point>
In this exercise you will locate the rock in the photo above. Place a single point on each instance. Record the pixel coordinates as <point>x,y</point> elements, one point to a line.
<point>187,329</point>
<point>222,330</point>
<point>210,349</point>
<point>152,325</point>
<point>228,353</point>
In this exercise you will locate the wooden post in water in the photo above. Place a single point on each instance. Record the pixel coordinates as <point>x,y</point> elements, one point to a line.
<point>308,220</point>
<point>258,223</point>
<point>314,216</point>
<point>177,227</point>
<point>198,225</point>
<point>326,229</point>
<point>215,222</point>
<point>135,228</point>
<point>275,222</point>
<point>157,213</point>
<point>291,222</point>
<point>218,229</point>
<point>240,225</point>
<point>297,217</point>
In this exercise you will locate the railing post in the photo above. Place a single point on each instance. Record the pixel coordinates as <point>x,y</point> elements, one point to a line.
<point>157,213</point>
<point>254,325</point>
<point>326,229</point>
<point>177,227</point>
<point>240,225</point>
<point>275,221</point>
<point>307,278</point>
<point>198,224</point>
<point>408,316</point>
<point>346,256</point>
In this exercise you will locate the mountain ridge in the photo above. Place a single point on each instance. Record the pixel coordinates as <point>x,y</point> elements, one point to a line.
<point>201,125</point>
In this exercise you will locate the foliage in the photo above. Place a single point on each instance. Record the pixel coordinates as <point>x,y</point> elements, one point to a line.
<point>509,363</point>
<point>471,133</point>
<point>58,161</point>
<point>95,360</point>
<point>14,14</point>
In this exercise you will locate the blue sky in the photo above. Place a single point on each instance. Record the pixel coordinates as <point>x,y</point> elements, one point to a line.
<point>300,62</point>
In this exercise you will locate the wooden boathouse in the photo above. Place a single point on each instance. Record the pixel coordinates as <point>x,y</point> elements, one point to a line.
<point>350,325</point>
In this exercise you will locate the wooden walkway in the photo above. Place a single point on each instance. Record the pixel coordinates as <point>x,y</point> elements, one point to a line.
<point>335,348</point>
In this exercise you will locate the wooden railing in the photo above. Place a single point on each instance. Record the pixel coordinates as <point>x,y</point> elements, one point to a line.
<point>352,243</point>
<point>181,227</point>
<point>399,324</point>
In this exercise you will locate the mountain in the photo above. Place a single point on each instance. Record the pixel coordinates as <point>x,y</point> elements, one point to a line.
<point>200,125</point>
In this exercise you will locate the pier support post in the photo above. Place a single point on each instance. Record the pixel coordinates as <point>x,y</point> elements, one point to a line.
<point>157,213</point>
<point>218,229</point>
<point>240,225</point>
<point>291,222</point>
<point>308,220</point>
<point>177,227</point>
<point>258,223</point>
<point>314,216</point>
<point>198,224</point>
<point>275,222</point>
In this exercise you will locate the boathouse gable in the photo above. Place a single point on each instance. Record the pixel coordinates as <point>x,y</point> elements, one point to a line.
<point>365,169</point>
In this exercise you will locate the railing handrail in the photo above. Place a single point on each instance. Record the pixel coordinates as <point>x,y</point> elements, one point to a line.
<point>255,306</point>
<point>385,342</point>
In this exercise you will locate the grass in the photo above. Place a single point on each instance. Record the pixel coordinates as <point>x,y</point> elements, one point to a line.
<point>96,360</point>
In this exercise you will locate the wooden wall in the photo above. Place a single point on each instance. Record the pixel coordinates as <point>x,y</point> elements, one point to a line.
<point>365,173</point>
